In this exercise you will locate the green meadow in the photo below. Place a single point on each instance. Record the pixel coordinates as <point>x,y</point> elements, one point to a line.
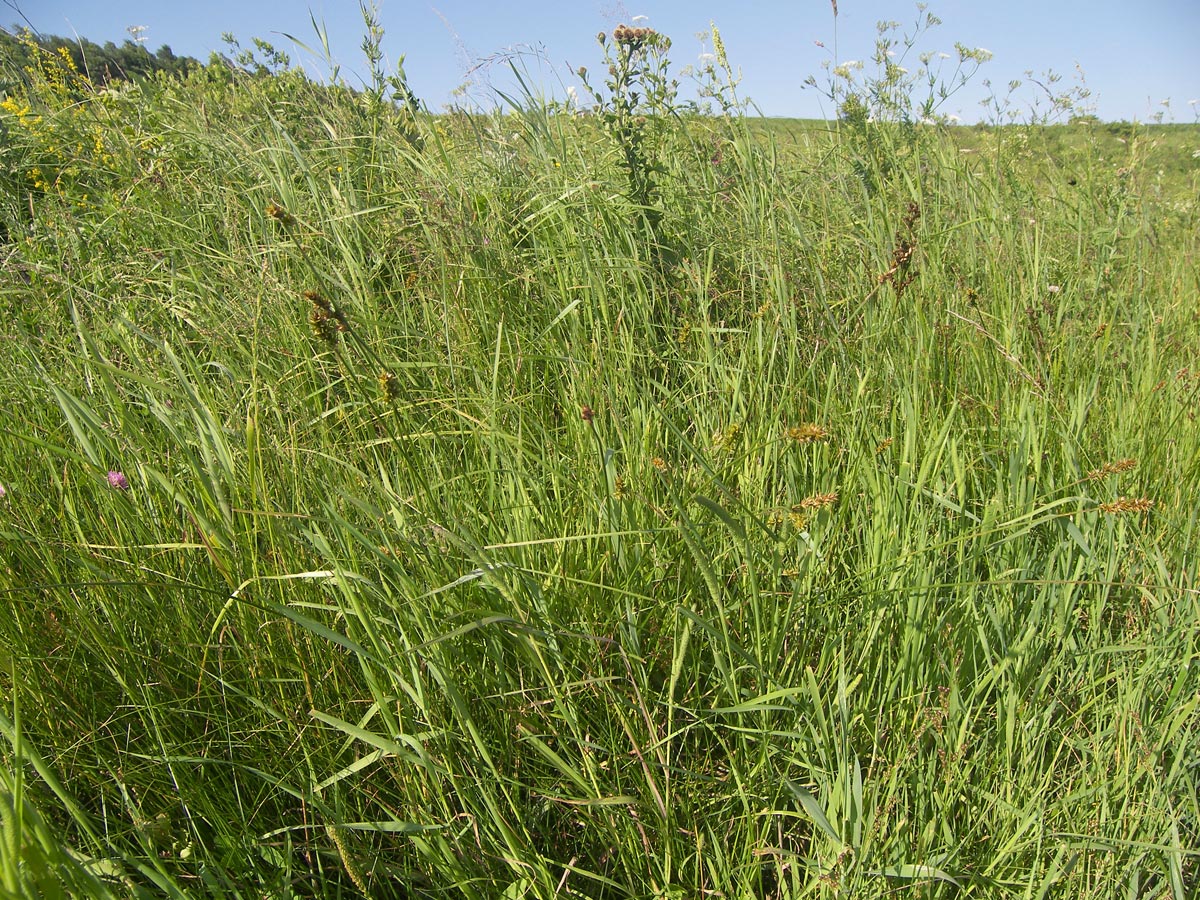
<point>657,502</point>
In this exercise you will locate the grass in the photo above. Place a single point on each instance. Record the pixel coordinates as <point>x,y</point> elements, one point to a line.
<point>827,529</point>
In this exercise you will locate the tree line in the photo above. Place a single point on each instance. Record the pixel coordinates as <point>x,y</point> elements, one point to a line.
<point>102,63</point>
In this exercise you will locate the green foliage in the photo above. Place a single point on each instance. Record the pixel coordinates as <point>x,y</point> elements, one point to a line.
<point>388,96</point>
<point>385,515</point>
<point>637,108</point>
<point>59,128</point>
<point>103,64</point>
<point>881,109</point>
<point>715,80</point>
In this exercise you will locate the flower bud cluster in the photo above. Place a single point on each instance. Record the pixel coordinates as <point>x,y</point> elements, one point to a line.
<point>634,37</point>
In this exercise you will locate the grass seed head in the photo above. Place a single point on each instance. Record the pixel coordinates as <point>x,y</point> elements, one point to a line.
<point>326,321</point>
<point>389,386</point>
<point>728,439</point>
<point>324,328</point>
<point>317,300</point>
<point>807,433</point>
<point>280,215</point>
<point>1121,465</point>
<point>819,501</point>
<point>1127,505</point>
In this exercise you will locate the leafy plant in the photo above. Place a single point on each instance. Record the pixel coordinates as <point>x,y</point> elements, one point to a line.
<point>881,109</point>
<point>637,109</point>
<point>388,518</point>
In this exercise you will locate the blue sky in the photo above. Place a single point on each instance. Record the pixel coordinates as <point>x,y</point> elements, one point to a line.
<point>1132,58</point>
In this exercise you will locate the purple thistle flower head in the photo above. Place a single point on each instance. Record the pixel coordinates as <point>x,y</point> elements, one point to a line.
<point>118,480</point>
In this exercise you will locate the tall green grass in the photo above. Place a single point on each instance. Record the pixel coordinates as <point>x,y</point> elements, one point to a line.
<point>828,529</point>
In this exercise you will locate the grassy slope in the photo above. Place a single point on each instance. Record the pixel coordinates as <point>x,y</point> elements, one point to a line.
<point>543,560</point>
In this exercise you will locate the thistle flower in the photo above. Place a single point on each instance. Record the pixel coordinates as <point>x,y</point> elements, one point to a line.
<point>118,480</point>
<point>3,491</point>
<point>634,38</point>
